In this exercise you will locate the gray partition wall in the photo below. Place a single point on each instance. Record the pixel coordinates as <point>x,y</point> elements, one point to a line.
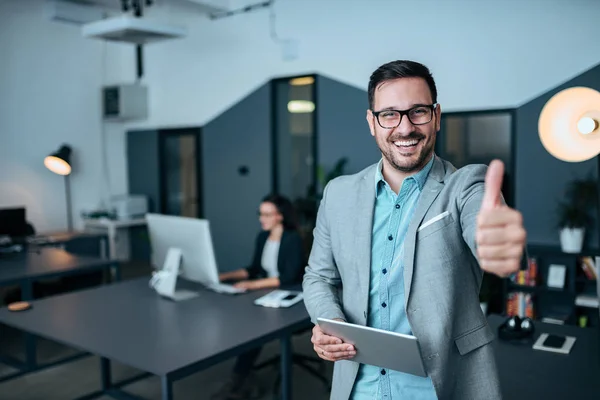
<point>237,175</point>
<point>540,178</point>
<point>342,130</point>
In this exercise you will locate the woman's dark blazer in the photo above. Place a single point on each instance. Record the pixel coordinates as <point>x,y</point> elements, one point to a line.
<point>290,261</point>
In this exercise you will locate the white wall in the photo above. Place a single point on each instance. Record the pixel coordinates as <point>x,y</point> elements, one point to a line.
<point>483,53</point>
<point>50,79</point>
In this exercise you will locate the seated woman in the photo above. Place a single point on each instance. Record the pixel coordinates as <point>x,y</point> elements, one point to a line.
<point>278,261</point>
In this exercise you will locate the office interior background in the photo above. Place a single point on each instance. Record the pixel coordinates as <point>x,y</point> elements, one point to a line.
<point>257,97</point>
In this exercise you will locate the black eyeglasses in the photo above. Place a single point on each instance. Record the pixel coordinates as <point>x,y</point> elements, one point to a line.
<point>418,115</point>
<point>268,215</point>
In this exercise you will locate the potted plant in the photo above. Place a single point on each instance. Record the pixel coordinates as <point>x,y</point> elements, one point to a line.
<point>307,207</point>
<point>574,213</point>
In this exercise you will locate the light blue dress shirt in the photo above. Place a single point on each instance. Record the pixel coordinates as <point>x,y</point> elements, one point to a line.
<point>391,218</point>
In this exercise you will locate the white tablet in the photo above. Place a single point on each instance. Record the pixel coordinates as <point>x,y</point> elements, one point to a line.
<point>378,347</point>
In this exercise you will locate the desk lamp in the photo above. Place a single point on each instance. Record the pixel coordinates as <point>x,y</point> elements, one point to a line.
<point>60,163</point>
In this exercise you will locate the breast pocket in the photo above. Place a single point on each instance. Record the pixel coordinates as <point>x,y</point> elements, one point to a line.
<point>434,224</point>
<point>474,339</point>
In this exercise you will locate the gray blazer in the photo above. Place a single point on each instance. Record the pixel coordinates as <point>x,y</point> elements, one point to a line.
<point>441,276</point>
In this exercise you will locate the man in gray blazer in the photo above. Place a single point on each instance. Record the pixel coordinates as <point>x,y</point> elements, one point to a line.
<point>402,246</point>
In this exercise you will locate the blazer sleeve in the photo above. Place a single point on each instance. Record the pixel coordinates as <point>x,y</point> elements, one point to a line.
<point>255,270</point>
<point>469,204</point>
<point>291,261</point>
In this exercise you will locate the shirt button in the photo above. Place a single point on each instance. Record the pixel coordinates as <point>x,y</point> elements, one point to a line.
<point>383,372</point>
<point>384,271</point>
<point>383,305</point>
<point>390,237</point>
<point>397,205</point>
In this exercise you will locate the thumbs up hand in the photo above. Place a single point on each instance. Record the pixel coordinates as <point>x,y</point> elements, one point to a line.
<point>500,234</point>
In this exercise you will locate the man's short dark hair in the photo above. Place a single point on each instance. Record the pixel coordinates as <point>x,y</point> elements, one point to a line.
<point>400,69</point>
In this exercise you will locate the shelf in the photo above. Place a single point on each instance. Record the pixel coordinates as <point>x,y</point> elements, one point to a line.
<point>572,297</point>
<point>586,301</point>
<point>541,250</point>
<point>513,287</point>
<point>584,280</point>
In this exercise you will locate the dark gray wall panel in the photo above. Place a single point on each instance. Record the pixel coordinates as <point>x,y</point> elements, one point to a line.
<point>342,128</point>
<point>238,137</point>
<point>143,166</point>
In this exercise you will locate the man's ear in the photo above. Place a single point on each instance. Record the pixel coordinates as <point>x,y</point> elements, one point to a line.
<point>371,121</point>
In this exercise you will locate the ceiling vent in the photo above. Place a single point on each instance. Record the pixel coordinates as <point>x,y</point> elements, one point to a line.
<point>132,30</point>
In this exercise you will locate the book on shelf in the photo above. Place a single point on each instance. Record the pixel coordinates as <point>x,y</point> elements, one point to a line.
<point>521,304</point>
<point>587,300</point>
<point>555,316</point>
<point>526,277</point>
<point>555,321</point>
<point>589,268</point>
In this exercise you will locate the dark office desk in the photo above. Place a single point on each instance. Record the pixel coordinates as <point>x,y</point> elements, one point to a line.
<point>45,263</point>
<point>129,323</point>
<point>25,268</point>
<point>62,239</point>
<point>530,374</point>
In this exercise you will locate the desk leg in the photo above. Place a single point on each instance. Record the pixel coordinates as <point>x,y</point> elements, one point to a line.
<point>105,375</point>
<point>112,242</point>
<point>116,271</point>
<point>286,368</point>
<point>104,248</point>
<point>166,388</point>
<point>30,345</point>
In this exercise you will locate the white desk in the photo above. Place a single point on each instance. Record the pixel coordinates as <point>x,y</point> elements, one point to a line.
<point>112,227</point>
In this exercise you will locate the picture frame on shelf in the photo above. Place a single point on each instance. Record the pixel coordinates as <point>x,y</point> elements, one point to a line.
<point>556,276</point>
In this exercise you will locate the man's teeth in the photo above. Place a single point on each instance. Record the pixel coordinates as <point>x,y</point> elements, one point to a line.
<point>406,143</point>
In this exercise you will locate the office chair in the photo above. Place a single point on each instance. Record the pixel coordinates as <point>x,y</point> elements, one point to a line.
<point>83,246</point>
<point>308,363</point>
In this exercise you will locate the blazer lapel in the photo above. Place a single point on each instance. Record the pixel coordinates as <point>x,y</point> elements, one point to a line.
<point>365,203</point>
<point>431,189</point>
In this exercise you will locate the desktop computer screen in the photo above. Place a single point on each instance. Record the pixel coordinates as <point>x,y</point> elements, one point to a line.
<point>13,222</point>
<point>192,237</point>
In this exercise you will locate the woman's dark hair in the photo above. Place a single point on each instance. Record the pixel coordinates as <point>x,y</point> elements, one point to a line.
<point>400,69</point>
<point>285,208</point>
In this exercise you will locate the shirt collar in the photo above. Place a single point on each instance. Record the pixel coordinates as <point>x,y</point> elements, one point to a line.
<point>420,177</point>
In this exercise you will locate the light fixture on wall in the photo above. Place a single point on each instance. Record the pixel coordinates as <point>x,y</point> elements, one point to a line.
<point>569,124</point>
<point>59,162</point>
<point>570,131</point>
<point>301,106</point>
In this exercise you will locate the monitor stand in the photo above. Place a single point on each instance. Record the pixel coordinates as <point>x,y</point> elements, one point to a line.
<point>165,280</point>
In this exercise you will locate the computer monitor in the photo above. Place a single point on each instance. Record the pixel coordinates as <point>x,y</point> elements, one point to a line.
<point>13,222</point>
<point>192,237</point>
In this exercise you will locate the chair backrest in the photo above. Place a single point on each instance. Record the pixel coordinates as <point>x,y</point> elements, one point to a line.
<point>84,246</point>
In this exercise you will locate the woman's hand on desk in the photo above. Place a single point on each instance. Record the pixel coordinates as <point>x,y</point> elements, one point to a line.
<point>331,348</point>
<point>250,285</point>
<point>265,283</point>
<point>236,275</point>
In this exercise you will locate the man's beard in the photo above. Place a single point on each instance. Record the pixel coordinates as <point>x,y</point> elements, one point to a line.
<point>392,157</point>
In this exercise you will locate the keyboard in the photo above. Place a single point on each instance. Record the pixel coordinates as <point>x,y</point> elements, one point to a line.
<point>225,288</point>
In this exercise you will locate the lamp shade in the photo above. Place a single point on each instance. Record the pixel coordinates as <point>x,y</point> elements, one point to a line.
<point>59,162</point>
<point>569,124</point>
